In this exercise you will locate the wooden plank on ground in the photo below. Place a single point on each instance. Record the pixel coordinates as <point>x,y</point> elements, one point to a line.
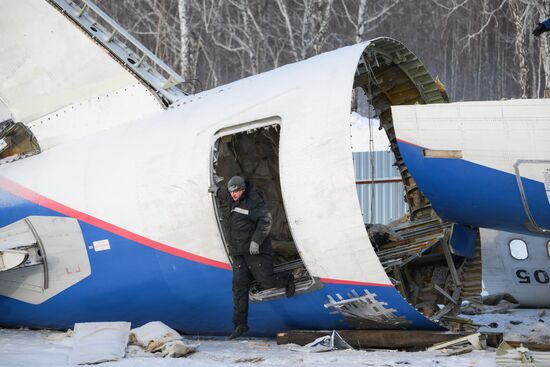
<point>530,345</point>
<point>376,339</point>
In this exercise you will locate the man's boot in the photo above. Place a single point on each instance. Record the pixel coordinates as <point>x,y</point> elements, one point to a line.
<point>290,288</point>
<point>239,330</point>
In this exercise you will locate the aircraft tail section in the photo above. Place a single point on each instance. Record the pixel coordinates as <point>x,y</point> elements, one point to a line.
<point>70,71</point>
<point>48,63</point>
<point>122,46</point>
<point>491,155</point>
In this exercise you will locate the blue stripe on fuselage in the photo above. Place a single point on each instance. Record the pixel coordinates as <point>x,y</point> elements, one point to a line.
<point>136,283</point>
<point>469,193</point>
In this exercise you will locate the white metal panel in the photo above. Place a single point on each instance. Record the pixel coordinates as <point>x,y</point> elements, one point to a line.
<point>47,63</point>
<point>160,167</point>
<point>495,134</point>
<point>65,253</point>
<point>89,116</point>
<point>500,267</point>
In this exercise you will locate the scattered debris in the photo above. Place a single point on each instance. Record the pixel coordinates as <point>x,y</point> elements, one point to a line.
<point>256,344</point>
<point>516,322</point>
<point>459,324</point>
<point>175,349</point>
<point>59,336</point>
<point>108,341</point>
<point>495,299</point>
<point>455,351</point>
<point>157,337</point>
<point>324,344</point>
<point>497,303</point>
<point>374,339</point>
<point>96,342</point>
<point>507,355</point>
<point>365,311</point>
<point>493,339</point>
<point>135,351</point>
<point>380,235</point>
<point>250,360</point>
<point>463,345</point>
<point>534,345</point>
<point>153,335</point>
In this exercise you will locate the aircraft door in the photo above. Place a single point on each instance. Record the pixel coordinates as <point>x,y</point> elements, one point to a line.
<point>252,151</point>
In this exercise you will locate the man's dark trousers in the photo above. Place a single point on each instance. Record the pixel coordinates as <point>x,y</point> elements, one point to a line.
<point>246,268</point>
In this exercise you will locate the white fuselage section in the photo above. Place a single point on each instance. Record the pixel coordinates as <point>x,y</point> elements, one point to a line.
<point>151,177</point>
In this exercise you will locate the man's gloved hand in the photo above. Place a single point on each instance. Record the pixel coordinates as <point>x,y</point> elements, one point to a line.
<point>213,189</point>
<point>539,29</point>
<point>254,248</point>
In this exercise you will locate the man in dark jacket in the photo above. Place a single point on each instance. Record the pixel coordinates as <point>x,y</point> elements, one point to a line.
<point>541,28</point>
<point>249,224</point>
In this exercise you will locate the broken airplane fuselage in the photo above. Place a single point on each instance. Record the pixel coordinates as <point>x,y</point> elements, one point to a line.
<point>105,191</point>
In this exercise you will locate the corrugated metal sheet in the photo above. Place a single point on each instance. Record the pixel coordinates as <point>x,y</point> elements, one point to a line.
<point>387,199</point>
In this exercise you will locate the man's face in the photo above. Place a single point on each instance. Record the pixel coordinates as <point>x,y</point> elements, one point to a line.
<point>236,195</point>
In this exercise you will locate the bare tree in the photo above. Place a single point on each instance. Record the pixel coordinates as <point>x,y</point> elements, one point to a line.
<point>481,49</point>
<point>185,43</point>
<point>520,13</point>
<point>366,16</point>
<point>543,8</point>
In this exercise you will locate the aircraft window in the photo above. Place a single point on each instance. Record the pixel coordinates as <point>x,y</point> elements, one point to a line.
<point>548,247</point>
<point>518,249</point>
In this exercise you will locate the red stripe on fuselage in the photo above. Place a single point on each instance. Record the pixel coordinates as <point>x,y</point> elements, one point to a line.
<point>406,142</point>
<point>60,208</point>
<point>351,282</point>
<point>32,196</point>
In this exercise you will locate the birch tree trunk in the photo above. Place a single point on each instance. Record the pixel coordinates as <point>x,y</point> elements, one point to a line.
<point>361,20</point>
<point>519,12</point>
<point>544,12</point>
<point>185,43</point>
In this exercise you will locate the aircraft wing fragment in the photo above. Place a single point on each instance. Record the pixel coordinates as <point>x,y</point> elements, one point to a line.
<point>47,63</point>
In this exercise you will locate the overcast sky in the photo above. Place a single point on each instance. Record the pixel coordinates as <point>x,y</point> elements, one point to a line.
<point>4,113</point>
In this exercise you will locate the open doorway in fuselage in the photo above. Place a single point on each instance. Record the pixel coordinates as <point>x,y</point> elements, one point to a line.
<point>252,151</point>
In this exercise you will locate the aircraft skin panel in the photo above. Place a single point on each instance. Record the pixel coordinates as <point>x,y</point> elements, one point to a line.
<point>51,243</point>
<point>473,194</point>
<point>186,292</point>
<point>526,279</point>
<point>476,148</point>
<point>94,114</point>
<point>48,63</point>
<point>495,134</point>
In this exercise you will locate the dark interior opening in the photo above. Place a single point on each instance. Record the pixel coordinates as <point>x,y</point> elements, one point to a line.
<point>415,250</point>
<point>254,155</point>
<point>16,141</point>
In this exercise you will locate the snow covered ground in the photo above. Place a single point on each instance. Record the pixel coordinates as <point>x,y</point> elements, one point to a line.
<point>50,348</point>
<point>530,325</point>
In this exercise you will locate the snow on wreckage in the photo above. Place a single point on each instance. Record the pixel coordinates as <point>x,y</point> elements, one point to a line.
<point>144,227</point>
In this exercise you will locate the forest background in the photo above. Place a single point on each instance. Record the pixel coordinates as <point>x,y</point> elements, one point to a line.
<point>480,49</point>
